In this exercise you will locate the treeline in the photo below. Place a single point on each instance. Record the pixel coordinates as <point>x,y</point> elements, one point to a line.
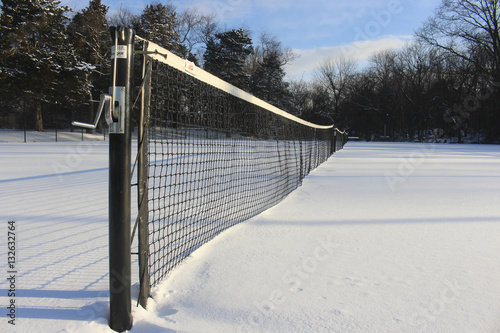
<point>442,87</point>
<point>419,93</point>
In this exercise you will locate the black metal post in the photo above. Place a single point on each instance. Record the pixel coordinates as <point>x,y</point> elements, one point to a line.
<point>119,181</point>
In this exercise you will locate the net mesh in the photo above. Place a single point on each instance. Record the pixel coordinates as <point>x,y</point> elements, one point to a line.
<point>215,160</point>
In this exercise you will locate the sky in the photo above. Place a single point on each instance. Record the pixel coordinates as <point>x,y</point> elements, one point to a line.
<point>314,29</point>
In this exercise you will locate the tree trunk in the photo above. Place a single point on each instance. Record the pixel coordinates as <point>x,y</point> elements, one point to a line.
<point>38,117</point>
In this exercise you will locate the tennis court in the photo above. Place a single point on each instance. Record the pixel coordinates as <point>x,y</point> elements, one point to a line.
<point>381,237</point>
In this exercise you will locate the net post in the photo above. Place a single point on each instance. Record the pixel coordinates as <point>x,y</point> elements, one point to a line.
<point>332,141</point>
<point>119,180</point>
<point>335,140</point>
<point>142,176</point>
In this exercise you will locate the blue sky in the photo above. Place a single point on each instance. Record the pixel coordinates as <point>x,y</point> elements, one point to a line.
<point>314,29</point>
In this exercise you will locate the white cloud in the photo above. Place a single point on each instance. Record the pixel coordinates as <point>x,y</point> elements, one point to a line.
<point>309,60</point>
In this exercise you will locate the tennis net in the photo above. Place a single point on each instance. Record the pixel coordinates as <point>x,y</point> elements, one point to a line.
<point>213,156</point>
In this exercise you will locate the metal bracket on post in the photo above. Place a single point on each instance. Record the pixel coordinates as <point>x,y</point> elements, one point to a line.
<point>116,115</point>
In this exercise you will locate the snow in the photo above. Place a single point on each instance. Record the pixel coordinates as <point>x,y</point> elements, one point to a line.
<point>382,237</point>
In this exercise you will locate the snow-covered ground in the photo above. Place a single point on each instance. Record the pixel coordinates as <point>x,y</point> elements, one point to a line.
<point>382,237</point>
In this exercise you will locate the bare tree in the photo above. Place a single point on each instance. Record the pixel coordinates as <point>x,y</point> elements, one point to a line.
<point>301,97</point>
<point>267,45</point>
<point>382,66</point>
<point>415,70</point>
<point>467,28</point>
<point>195,30</point>
<point>125,18</point>
<point>470,30</point>
<point>335,74</point>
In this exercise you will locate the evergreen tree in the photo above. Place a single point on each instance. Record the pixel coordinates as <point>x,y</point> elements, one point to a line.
<point>267,82</point>
<point>226,55</point>
<point>89,34</point>
<point>35,55</point>
<point>157,24</point>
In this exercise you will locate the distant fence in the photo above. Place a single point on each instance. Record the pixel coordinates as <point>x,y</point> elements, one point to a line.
<point>17,124</point>
<point>51,135</point>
